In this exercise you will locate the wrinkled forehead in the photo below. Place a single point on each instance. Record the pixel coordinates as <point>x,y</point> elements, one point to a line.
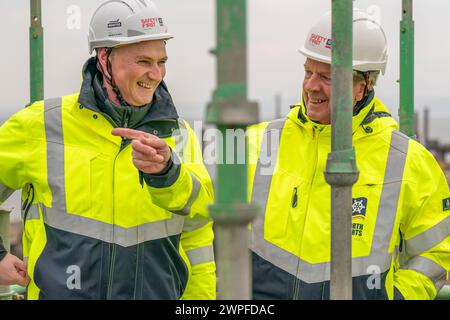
<point>317,66</point>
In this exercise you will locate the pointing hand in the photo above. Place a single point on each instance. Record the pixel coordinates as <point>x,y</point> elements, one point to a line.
<point>150,153</point>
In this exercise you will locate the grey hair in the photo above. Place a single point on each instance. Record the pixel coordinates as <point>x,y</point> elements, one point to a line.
<point>372,76</point>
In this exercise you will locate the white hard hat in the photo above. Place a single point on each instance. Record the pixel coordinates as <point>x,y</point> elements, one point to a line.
<point>369,42</point>
<point>120,22</point>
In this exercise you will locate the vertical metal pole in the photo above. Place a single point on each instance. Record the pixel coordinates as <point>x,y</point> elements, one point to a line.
<point>341,172</point>
<point>230,110</point>
<point>5,291</point>
<point>36,52</point>
<point>406,111</point>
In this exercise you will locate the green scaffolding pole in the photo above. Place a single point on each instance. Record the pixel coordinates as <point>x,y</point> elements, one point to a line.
<point>406,111</point>
<point>341,172</point>
<point>231,112</point>
<point>36,52</point>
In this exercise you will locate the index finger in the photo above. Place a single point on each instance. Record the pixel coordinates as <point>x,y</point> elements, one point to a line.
<point>129,133</point>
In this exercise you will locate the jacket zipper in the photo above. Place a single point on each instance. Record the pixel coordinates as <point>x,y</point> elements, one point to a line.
<point>295,197</point>
<point>294,203</point>
<point>112,247</point>
<point>126,119</point>
<point>125,123</point>
<point>112,255</point>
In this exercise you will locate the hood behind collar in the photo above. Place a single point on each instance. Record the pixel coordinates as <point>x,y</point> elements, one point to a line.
<point>161,107</point>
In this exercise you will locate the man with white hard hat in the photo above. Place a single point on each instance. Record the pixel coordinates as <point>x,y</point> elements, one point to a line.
<point>401,201</point>
<point>113,206</point>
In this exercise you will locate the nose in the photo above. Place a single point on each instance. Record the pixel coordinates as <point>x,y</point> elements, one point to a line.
<point>156,72</point>
<point>312,83</point>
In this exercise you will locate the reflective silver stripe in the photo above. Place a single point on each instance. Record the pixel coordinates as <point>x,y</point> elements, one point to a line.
<point>428,239</point>
<point>58,217</point>
<point>55,153</point>
<point>33,212</point>
<point>261,183</point>
<point>387,209</point>
<point>194,194</point>
<point>428,268</point>
<point>5,193</point>
<point>103,231</point>
<point>260,193</point>
<point>194,224</point>
<point>200,255</point>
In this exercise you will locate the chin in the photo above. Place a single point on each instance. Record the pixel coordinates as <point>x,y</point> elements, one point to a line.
<point>142,102</point>
<point>315,117</point>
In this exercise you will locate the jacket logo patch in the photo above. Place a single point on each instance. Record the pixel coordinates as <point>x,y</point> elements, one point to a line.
<point>446,204</point>
<point>357,229</point>
<point>359,206</point>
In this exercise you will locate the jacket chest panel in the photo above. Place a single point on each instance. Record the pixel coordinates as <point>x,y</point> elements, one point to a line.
<point>132,202</point>
<point>106,187</point>
<point>299,205</point>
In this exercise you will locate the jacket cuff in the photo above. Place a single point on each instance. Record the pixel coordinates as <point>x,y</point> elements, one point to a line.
<point>167,177</point>
<point>3,251</point>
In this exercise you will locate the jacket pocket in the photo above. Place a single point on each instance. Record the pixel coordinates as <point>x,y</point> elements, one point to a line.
<point>82,169</point>
<point>283,210</point>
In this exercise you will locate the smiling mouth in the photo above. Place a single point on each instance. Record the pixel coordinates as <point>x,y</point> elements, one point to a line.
<point>317,101</point>
<point>145,85</point>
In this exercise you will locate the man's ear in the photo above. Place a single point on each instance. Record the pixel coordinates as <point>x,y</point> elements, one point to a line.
<point>102,57</point>
<point>359,90</point>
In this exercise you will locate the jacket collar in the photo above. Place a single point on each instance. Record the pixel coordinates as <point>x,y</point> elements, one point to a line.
<point>366,111</point>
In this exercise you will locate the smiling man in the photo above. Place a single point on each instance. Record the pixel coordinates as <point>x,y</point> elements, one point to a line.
<point>400,220</point>
<point>317,90</point>
<point>113,206</point>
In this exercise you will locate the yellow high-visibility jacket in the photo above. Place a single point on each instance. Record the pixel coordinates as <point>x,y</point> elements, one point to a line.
<point>92,228</point>
<point>400,210</point>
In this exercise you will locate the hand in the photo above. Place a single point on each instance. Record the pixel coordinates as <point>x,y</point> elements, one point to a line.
<point>13,271</point>
<point>150,153</point>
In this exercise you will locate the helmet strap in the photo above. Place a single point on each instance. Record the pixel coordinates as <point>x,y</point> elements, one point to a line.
<point>366,79</point>
<point>110,79</point>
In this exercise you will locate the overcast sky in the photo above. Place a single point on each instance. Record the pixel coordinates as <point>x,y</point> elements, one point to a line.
<point>275,30</point>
